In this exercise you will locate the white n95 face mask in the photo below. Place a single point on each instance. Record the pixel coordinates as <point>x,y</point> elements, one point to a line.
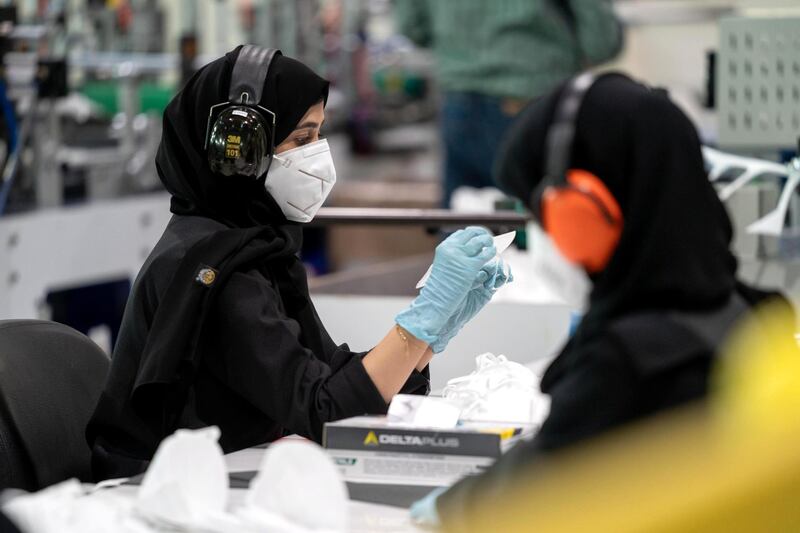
<point>568,282</point>
<point>301,179</point>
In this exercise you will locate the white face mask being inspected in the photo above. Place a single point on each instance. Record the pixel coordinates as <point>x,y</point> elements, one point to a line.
<point>300,180</point>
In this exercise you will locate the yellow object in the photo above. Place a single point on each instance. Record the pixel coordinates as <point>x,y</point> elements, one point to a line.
<point>371,439</point>
<point>756,388</point>
<point>729,466</point>
<point>504,433</point>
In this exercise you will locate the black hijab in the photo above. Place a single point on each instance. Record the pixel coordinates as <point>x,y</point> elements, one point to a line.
<point>289,90</point>
<point>674,251</point>
<point>257,233</point>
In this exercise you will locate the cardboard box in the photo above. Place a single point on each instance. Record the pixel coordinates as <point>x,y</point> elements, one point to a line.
<point>371,449</point>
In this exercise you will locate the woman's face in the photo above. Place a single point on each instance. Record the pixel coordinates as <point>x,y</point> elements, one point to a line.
<point>307,130</point>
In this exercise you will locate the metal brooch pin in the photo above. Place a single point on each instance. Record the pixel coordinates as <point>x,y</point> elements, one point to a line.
<point>206,276</point>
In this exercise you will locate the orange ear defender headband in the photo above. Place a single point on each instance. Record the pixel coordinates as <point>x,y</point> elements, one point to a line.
<point>573,205</point>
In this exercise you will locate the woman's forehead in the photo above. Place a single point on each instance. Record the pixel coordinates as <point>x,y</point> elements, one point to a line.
<point>313,117</point>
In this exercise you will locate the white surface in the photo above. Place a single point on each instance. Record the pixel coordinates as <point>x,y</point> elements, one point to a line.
<point>773,223</point>
<point>423,411</point>
<point>542,275</point>
<point>72,246</point>
<point>244,460</point>
<point>363,517</point>
<point>501,243</point>
<point>472,200</point>
<point>524,332</point>
<point>671,11</point>
<point>751,168</point>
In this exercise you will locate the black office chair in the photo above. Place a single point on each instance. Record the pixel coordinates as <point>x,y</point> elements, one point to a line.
<point>50,379</point>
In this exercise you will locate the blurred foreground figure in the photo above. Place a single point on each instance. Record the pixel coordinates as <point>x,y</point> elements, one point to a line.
<point>614,172</point>
<point>493,57</point>
<point>727,465</point>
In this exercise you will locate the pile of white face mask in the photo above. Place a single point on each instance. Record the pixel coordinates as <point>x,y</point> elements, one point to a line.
<point>297,489</point>
<point>498,390</point>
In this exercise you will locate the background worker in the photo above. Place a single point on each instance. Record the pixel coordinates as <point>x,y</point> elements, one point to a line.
<point>493,57</point>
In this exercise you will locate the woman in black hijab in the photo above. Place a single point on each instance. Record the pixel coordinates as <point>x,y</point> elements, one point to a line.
<point>661,303</point>
<point>219,328</point>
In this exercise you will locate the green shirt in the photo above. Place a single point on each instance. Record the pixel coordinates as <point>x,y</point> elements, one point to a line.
<point>513,48</point>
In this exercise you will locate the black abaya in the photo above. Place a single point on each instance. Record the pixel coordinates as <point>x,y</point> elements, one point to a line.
<point>219,328</point>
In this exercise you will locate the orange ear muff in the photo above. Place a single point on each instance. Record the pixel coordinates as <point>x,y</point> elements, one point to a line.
<point>584,219</point>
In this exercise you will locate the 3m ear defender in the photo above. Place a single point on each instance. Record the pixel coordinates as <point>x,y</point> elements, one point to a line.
<point>573,205</point>
<point>240,134</point>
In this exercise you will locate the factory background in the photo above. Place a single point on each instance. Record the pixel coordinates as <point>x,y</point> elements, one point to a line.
<point>81,203</point>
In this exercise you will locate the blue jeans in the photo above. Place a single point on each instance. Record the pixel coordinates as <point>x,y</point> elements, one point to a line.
<point>472,128</point>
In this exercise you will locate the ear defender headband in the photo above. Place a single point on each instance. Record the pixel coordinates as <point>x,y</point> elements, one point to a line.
<point>574,206</point>
<point>240,134</point>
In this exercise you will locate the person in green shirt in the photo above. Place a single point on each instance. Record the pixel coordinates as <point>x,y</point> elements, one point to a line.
<point>493,56</point>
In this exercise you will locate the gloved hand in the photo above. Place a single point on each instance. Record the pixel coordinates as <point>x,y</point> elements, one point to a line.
<point>424,512</point>
<point>575,319</point>
<point>456,264</point>
<point>491,277</point>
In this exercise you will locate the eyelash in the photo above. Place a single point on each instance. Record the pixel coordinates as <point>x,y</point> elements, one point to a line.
<point>300,141</point>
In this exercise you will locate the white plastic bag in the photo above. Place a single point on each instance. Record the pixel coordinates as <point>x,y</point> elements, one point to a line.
<point>499,390</point>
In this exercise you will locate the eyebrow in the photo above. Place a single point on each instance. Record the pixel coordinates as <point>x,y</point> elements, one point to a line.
<point>309,124</point>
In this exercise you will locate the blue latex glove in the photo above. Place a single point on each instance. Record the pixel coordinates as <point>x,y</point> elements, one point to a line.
<point>456,264</point>
<point>575,319</point>
<point>491,277</point>
<point>424,512</point>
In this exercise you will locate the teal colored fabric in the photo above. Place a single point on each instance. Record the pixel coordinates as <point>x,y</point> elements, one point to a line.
<point>510,48</point>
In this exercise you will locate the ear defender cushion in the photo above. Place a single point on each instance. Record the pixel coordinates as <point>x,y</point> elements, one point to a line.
<point>239,143</point>
<point>583,219</point>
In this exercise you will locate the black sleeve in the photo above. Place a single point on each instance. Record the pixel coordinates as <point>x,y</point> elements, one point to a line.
<point>593,396</point>
<point>418,382</point>
<point>264,361</point>
<point>7,526</point>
